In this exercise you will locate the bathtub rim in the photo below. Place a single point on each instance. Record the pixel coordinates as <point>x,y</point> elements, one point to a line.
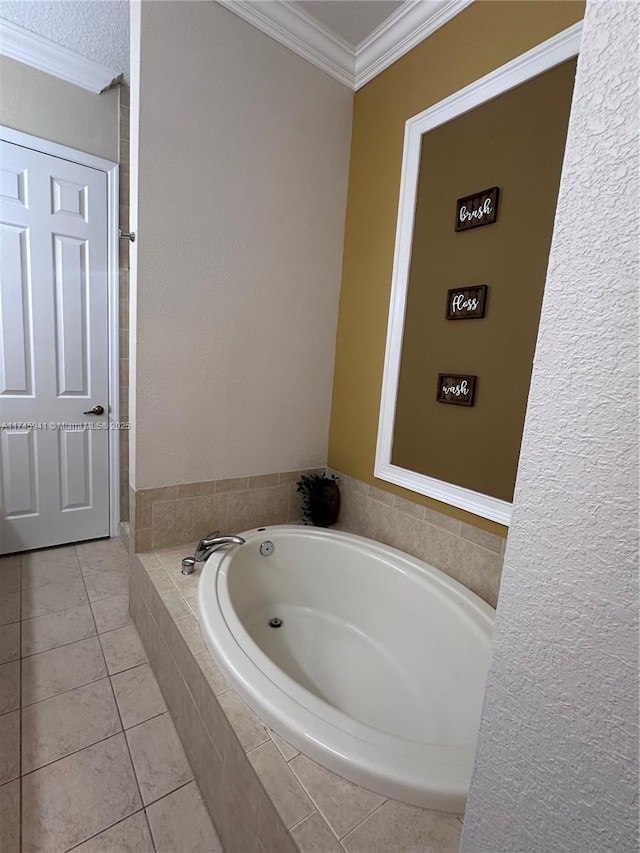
<point>384,763</point>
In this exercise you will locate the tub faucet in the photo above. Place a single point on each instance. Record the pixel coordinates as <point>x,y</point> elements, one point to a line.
<point>206,547</point>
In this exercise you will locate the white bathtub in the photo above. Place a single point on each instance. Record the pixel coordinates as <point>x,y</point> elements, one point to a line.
<point>378,670</point>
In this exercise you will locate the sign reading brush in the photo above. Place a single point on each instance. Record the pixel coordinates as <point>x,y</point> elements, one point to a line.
<point>478,209</point>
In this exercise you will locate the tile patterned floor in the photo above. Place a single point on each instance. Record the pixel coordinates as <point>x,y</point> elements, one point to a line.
<point>90,760</point>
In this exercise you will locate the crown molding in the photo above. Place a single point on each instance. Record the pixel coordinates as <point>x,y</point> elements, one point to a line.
<point>32,49</point>
<point>292,27</point>
<point>410,24</point>
<point>301,33</point>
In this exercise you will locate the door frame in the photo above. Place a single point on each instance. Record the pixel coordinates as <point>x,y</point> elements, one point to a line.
<point>112,171</point>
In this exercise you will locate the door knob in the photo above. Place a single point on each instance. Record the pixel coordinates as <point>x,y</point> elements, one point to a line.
<point>97,410</point>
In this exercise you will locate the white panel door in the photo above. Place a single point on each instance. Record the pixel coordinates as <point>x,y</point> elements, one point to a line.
<point>54,458</point>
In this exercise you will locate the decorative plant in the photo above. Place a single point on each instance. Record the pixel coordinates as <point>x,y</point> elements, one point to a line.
<point>320,499</point>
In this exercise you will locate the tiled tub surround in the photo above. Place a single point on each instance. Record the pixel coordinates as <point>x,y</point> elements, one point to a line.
<point>89,757</point>
<point>263,796</point>
<point>171,515</point>
<point>464,552</point>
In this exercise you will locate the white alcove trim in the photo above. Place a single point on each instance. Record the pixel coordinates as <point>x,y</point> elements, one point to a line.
<point>545,56</point>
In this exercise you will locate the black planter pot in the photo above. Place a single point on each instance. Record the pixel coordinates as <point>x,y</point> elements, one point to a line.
<point>324,504</point>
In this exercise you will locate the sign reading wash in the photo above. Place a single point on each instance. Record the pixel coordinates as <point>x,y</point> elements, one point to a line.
<point>478,209</point>
<point>455,389</point>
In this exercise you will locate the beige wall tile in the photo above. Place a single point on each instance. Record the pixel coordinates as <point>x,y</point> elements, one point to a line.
<point>438,519</point>
<point>9,607</point>
<point>215,679</point>
<point>170,522</point>
<point>195,490</point>
<point>138,695</point>
<point>408,507</point>
<point>145,498</point>
<point>180,822</point>
<point>263,480</point>
<point>272,832</point>
<point>122,649</point>
<point>248,728</point>
<point>294,506</point>
<point>381,496</point>
<point>482,537</point>
<point>209,513</point>
<point>399,827</point>
<point>286,750</point>
<point>158,757</point>
<point>290,476</point>
<point>237,484</point>
<point>244,510</point>
<point>274,505</point>
<point>313,835</point>
<point>342,804</point>
<point>241,793</point>
<point>142,540</point>
<point>285,791</point>
<point>480,570</point>
<point>175,604</point>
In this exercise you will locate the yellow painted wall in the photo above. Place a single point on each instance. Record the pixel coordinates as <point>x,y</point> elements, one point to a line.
<point>517,142</point>
<point>483,37</point>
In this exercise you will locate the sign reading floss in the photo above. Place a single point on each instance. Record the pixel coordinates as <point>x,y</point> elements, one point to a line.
<point>467,303</point>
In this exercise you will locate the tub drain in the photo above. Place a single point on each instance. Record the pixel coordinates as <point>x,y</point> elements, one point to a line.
<point>275,622</point>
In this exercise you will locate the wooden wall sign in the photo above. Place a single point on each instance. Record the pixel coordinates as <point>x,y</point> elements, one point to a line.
<point>478,209</point>
<point>466,303</point>
<point>455,389</point>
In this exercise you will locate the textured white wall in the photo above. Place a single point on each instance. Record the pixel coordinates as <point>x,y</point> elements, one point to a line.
<point>557,762</point>
<point>37,103</point>
<point>243,162</point>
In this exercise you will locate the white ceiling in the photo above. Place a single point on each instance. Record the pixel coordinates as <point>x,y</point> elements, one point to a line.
<point>99,29</point>
<point>96,29</point>
<point>352,20</point>
<point>352,40</point>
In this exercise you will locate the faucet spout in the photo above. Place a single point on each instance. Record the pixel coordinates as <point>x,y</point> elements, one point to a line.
<point>211,544</point>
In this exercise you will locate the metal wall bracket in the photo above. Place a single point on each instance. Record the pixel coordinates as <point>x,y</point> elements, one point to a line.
<point>126,235</point>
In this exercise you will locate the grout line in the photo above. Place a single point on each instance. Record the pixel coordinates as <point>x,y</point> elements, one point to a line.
<point>178,788</point>
<point>133,766</point>
<point>364,820</point>
<point>306,817</point>
<point>74,751</point>
<point>53,612</point>
<point>317,805</point>
<point>122,820</point>
<point>61,646</point>
<point>69,690</point>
